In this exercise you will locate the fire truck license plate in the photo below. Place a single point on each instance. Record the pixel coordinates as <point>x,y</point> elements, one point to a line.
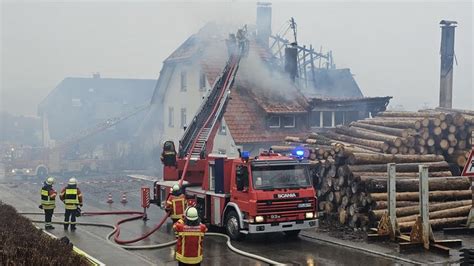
<point>275,216</point>
<point>304,205</point>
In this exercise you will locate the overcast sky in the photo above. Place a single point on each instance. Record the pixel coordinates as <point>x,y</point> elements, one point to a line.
<point>392,48</point>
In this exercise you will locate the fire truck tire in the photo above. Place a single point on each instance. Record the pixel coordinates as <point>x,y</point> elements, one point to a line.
<point>42,172</point>
<point>232,226</point>
<point>292,234</point>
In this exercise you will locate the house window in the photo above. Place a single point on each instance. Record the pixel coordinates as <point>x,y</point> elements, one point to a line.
<point>288,121</point>
<point>223,129</point>
<point>184,82</point>
<point>350,116</point>
<point>339,118</point>
<point>315,119</point>
<point>75,102</point>
<point>171,116</point>
<point>183,117</point>
<point>327,119</point>
<point>274,121</point>
<point>202,82</point>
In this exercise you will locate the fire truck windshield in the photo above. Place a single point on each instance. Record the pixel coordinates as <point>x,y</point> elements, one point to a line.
<point>278,177</point>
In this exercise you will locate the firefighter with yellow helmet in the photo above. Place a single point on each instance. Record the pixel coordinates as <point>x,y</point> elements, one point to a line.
<point>176,204</point>
<point>190,238</point>
<point>48,202</point>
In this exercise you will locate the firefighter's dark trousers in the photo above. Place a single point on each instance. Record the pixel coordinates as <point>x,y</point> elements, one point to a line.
<point>186,264</point>
<point>70,214</point>
<point>48,214</point>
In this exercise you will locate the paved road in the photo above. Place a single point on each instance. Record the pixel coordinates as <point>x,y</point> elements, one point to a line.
<point>23,193</point>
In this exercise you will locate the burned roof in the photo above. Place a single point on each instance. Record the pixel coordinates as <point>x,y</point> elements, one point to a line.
<point>333,83</point>
<point>371,104</point>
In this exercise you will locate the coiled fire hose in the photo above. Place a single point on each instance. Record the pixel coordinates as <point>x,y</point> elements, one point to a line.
<point>155,246</point>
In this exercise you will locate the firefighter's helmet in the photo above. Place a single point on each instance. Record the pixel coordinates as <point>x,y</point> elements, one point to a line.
<point>175,188</point>
<point>50,180</point>
<point>191,214</point>
<point>72,181</point>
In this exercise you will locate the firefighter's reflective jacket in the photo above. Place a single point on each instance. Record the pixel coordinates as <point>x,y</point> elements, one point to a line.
<point>189,245</point>
<point>48,197</point>
<point>177,205</point>
<point>71,196</point>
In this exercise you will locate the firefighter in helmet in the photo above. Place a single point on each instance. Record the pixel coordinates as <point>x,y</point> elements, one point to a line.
<point>48,197</point>
<point>72,198</point>
<point>168,156</point>
<point>176,203</point>
<point>190,236</point>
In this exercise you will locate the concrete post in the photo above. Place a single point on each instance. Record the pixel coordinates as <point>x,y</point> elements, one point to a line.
<point>392,195</point>
<point>424,204</point>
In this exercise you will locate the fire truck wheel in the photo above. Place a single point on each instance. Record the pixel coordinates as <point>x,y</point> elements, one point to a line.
<point>292,234</point>
<point>232,227</point>
<point>42,172</point>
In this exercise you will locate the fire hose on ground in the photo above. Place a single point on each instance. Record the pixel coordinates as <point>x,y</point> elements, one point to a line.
<point>140,215</point>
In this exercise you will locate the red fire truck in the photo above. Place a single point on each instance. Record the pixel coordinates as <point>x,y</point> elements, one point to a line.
<point>267,193</point>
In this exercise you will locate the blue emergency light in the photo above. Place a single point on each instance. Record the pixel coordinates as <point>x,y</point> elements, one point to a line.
<point>298,152</point>
<point>245,155</point>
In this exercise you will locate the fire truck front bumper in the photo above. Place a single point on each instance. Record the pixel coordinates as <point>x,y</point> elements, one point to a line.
<point>282,226</point>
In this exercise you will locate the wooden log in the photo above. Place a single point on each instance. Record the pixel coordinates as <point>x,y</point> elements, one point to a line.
<point>342,215</point>
<point>407,185</point>
<point>434,195</point>
<point>437,223</point>
<point>383,205</point>
<point>402,167</point>
<point>391,123</point>
<point>368,134</point>
<point>401,175</point>
<point>293,139</point>
<point>409,114</point>
<point>387,130</point>
<point>365,142</point>
<point>378,158</point>
<point>452,212</point>
<point>415,209</point>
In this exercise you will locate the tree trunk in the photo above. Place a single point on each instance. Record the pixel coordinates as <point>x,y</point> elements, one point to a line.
<point>383,205</point>
<point>453,212</point>
<point>370,143</point>
<point>387,130</point>
<point>415,209</point>
<point>434,195</point>
<point>370,135</point>
<point>436,223</point>
<point>401,175</point>
<point>402,167</point>
<point>378,158</point>
<point>410,185</point>
<point>390,123</point>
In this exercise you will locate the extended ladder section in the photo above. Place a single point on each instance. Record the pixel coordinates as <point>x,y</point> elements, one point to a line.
<point>195,139</point>
<point>110,122</point>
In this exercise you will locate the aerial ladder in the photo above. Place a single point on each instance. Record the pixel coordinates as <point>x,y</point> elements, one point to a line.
<point>195,142</point>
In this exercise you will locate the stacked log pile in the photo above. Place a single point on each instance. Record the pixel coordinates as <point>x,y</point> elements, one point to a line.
<point>350,171</point>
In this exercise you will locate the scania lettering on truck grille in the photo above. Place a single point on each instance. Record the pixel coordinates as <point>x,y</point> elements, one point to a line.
<point>285,195</point>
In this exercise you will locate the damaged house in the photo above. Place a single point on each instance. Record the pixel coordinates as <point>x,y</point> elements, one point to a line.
<point>278,90</point>
<point>81,113</point>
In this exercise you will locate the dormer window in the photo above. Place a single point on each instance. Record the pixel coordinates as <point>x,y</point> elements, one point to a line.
<point>288,121</point>
<point>274,121</point>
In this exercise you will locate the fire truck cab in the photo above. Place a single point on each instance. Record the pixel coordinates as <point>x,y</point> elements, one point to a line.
<point>268,193</point>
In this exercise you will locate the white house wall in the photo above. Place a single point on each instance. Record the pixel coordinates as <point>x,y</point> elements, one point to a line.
<point>177,99</point>
<point>224,143</point>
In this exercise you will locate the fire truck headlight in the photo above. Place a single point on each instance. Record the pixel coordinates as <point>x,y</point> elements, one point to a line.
<point>258,219</point>
<point>309,215</point>
<point>13,171</point>
<point>27,171</point>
